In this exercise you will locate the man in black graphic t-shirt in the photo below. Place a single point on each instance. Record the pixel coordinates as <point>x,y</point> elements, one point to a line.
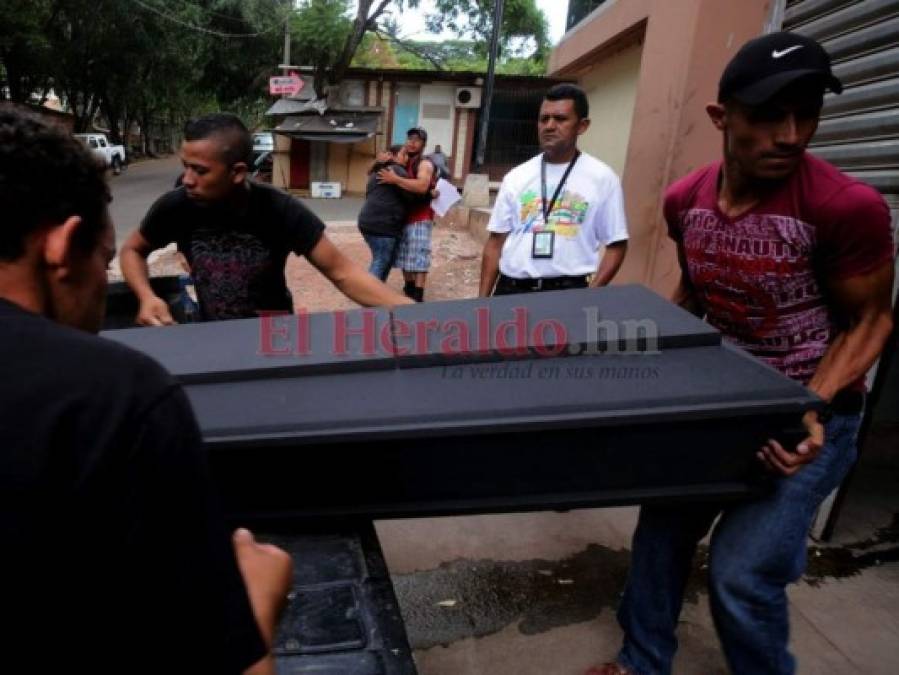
<point>236,234</point>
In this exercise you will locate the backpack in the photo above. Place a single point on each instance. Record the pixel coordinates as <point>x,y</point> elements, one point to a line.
<point>439,171</point>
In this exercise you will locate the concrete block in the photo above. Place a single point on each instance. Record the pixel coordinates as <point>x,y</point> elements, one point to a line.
<point>476,192</point>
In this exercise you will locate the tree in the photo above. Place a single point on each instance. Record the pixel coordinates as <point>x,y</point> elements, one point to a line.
<point>321,26</point>
<point>326,35</point>
<point>158,64</point>
<point>376,52</point>
<point>523,23</point>
<point>319,31</point>
<point>24,49</point>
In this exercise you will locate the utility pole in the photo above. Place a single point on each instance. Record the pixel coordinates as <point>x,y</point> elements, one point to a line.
<point>286,41</point>
<point>488,88</point>
<point>285,64</point>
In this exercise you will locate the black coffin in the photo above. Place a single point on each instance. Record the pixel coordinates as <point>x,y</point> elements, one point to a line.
<point>548,400</point>
<point>122,305</point>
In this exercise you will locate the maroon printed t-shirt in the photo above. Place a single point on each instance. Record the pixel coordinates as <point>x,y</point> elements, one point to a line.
<point>762,277</point>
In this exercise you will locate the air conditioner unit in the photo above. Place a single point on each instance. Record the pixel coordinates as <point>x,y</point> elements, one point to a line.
<point>468,97</point>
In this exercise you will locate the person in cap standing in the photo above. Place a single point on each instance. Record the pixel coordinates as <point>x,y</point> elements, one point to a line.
<point>793,261</point>
<point>440,161</point>
<point>554,212</point>
<point>414,252</point>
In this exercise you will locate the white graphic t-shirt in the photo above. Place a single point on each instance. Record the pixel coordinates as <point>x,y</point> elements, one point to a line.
<point>588,213</point>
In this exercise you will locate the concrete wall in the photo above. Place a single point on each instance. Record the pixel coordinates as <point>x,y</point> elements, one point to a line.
<point>436,114</point>
<point>611,86</point>
<point>685,47</point>
<point>348,164</point>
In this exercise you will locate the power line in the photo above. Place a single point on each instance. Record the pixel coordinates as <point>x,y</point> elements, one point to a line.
<point>200,29</point>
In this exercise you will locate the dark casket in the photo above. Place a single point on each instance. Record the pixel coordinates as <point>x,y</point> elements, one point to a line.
<point>122,304</point>
<point>536,401</point>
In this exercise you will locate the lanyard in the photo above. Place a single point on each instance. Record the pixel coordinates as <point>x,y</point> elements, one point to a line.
<point>548,208</point>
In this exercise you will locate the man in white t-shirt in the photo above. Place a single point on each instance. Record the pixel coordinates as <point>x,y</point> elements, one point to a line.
<point>555,211</point>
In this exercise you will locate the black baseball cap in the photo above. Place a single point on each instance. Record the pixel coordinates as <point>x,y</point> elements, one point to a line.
<point>418,131</point>
<point>767,64</point>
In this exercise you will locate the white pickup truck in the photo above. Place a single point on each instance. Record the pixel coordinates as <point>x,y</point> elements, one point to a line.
<point>113,155</point>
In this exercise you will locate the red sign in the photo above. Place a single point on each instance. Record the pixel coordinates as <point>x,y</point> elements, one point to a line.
<point>285,84</point>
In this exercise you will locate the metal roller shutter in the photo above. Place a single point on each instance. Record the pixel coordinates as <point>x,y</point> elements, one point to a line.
<point>859,129</point>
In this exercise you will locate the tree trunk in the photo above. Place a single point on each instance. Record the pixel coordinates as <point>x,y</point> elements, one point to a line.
<point>113,116</point>
<point>145,133</point>
<point>14,80</point>
<point>363,23</point>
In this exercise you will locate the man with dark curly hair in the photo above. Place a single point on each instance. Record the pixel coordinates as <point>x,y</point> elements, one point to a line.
<point>115,556</point>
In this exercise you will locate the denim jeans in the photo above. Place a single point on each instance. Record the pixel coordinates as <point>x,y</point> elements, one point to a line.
<point>756,549</point>
<point>383,252</point>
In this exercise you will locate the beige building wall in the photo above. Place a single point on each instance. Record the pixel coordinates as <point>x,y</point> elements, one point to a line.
<point>348,164</point>
<point>686,44</point>
<point>611,87</point>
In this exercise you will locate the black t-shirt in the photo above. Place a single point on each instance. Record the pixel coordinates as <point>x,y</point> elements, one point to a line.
<point>384,212</point>
<point>237,257</point>
<point>115,555</point>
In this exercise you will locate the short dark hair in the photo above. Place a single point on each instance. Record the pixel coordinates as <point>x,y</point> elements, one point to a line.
<point>238,141</point>
<point>46,176</point>
<point>565,91</point>
<point>394,149</point>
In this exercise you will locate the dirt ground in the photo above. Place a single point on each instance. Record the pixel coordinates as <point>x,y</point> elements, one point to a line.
<point>455,268</point>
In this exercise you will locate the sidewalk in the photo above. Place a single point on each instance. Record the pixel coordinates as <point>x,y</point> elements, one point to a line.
<point>535,594</point>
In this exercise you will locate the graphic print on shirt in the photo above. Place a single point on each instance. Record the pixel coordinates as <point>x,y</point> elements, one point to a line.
<point>567,216</point>
<point>755,278</point>
<point>227,267</point>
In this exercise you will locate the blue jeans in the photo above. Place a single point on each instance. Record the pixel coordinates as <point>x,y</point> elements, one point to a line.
<point>756,549</point>
<point>383,253</point>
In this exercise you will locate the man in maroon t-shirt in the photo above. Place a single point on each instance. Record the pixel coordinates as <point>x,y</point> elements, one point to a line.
<point>793,261</point>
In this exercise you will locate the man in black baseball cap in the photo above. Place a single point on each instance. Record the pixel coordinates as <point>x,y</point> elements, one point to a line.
<point>418,131</point>
<point>765,66</point>
<point>792,261</point>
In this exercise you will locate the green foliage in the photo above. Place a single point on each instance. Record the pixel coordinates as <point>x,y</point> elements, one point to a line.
<point>25,52</point>
<point>450,55</point>
<point>524,31</point>
<point>158,61</point>
<point>376,52</point>
<point>319,29</point>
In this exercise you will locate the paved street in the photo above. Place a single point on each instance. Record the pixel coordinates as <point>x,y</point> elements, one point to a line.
<point>535,594</point>
<point>137,188</point>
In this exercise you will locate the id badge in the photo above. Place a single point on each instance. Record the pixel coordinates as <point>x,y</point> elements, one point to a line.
<point>543,244</point>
